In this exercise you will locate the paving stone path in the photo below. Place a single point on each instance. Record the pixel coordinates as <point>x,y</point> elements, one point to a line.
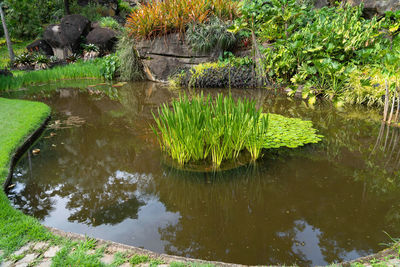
<point>41,254</point>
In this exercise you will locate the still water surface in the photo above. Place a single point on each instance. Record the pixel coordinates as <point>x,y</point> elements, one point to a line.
<point>100,173</point>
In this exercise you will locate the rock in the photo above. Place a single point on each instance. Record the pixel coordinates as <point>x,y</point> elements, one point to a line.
<point>321,3</point>
<point>42,46</point>
<point>23,249</point>
<point>107,258</point>
<point>376,7</point>
<point>65,38</point>
<point>51,252</point>
<point>27,260</point>
<point>73,27</point>
<point>103,38</point>
<point>165,56</point>
<point>5,72</point>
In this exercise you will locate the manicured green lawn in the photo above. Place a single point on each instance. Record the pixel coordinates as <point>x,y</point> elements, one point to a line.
<point>18,118</point>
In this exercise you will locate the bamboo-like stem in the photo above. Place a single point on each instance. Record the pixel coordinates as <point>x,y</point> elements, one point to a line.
<point>398,107</point>
<point>392,109</point>
<point>385,108</point>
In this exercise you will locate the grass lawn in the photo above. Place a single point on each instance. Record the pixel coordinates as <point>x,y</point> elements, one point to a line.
<point>18,118</point>
<point>80,69</point>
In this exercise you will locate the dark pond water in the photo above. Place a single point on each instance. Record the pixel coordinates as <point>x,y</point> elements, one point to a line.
<point>100,173</point>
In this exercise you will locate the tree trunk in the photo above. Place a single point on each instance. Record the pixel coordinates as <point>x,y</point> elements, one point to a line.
<point>8,40</point>
<point>66,7</point>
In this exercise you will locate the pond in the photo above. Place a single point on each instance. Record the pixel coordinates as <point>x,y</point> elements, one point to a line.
<point>100,172</point>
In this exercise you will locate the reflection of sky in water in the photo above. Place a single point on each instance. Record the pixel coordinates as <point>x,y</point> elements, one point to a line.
<point>307,243</point>
<point>143,231</point>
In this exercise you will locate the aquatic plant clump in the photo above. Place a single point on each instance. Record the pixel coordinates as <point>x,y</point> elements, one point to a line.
<point>289,132</point>
<point>201,129</point>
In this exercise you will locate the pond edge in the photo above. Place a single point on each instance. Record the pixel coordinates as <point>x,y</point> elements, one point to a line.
<point>20,151</point>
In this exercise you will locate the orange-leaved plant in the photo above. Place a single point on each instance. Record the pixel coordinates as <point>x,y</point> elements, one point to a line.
<point>163,17</point>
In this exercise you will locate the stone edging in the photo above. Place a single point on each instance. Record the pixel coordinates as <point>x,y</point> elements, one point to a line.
<point>22,149</point>
<point>135,250</point>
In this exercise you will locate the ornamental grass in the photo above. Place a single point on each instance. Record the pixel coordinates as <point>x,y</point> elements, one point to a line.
<point>162,17</point>
<point>202,129</point>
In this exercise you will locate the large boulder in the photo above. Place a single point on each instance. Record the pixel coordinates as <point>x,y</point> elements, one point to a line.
<point>167,55</point>
<point>104,38</point>
<point>41,46</point>
<point>376,7</point>
<point>67,37</point>
<point>73,27</point>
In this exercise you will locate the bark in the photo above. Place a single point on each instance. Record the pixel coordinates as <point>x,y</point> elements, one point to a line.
<point>66,7</point>
<point>8,40</point>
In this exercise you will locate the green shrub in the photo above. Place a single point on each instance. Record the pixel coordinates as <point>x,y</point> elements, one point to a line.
<point>93,11</point>
<point>130,66</point>
<point>23,19</point>
<point>210,36</point>
<point>109,22</point>
<point>109,68</point>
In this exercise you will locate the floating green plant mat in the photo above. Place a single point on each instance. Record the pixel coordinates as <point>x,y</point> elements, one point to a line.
<point>289,132</point>
<point>201,129</point>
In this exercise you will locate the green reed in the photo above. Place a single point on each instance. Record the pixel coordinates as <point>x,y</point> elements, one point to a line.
<point>202,129</point>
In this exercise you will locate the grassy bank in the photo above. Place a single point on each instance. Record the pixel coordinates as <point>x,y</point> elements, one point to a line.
<point>18,119</point>
<point>90,69</point>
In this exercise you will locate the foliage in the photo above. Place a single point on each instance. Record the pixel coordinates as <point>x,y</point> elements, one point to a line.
<point>25,58</point>
<point>130,66</point>
<point>366,85</point>
<point>109,22</point>
<point>90,69</point>
<point>92,11</point>
<point>162,17</point>
<point>210,36</point>
<point>319,48</point>
<point>289,132</point>
<point>199,129</point>
<point>90,48</point>
<point>202,129</point>
<point>124,8</point>
<point>109,67</point>
<point>23,19</point>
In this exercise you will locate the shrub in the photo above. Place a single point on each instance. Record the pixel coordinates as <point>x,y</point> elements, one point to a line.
<point>109,22</point>
<point>92,11</point>
<point>212,35</point>
<point>162,17</point>
<point>23,19</point>
<point>109,67</point>
<point>130,66</point>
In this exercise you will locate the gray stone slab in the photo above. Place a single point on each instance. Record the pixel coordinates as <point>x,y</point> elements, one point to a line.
<point>51,252</point>
<point>107,258</point>
<point>23,250</point>
<point>40,246</point>
<point>45,263</point>
<point>7,264</point>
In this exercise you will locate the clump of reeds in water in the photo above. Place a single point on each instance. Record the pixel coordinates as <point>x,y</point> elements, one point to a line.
<point>392,100</point>
<point>202,129</point>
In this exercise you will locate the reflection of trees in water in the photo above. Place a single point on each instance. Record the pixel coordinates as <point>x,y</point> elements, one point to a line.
<point>249,214</point>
